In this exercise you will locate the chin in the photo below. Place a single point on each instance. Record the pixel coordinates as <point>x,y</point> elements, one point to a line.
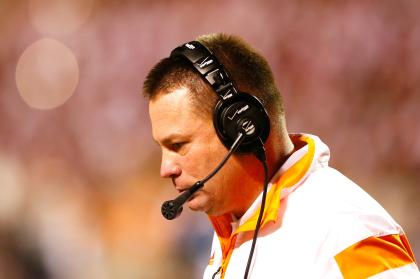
<point>196,206</point>
<point>198,203</point>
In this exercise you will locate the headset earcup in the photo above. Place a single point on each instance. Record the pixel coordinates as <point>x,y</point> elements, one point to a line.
<point>241,113</point>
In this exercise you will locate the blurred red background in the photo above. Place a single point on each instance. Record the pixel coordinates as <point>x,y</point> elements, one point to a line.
<point>80,194</point>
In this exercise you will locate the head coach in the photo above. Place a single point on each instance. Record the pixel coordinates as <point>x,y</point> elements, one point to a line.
<point>278,209</point>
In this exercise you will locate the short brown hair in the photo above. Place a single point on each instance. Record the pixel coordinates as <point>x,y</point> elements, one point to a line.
<point>247,68</point>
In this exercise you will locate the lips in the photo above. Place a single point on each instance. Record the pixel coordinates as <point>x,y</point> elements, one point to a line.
<point>181,190</point>
<point>178,187</point>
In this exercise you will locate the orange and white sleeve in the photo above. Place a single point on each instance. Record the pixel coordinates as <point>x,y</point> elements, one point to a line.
<point>387,256</point>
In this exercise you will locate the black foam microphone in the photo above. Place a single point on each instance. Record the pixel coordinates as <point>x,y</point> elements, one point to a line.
<point>173,208</point>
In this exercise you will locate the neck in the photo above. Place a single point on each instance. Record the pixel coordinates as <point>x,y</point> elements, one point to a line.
<point>278,151</point>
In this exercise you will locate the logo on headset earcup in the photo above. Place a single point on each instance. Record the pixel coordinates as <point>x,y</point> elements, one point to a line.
<point>242,113</point>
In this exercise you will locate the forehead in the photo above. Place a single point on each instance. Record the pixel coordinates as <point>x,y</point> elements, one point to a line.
<point>174,114</point>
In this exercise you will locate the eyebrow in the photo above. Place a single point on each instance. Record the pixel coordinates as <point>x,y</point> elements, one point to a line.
<point>170,138</point>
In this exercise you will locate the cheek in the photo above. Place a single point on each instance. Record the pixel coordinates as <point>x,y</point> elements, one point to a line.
<point>203,158</point>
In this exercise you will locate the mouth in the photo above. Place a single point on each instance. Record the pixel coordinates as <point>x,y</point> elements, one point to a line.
<point>177,187</point>
<point>182,187</point>
<point>180,191</point>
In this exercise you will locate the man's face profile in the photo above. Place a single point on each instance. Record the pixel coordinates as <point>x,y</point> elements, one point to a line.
<point>190,150</point>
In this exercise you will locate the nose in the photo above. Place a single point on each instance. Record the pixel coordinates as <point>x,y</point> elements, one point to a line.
<point>169,168</point>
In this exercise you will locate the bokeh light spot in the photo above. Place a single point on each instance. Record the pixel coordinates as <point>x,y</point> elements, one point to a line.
<point>57,17</point>
<point>47,74</point>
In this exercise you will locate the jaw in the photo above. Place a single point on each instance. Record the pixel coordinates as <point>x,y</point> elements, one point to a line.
<point>199,202</point>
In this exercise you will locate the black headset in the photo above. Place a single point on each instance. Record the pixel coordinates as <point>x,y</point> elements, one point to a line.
<point>235,112</point>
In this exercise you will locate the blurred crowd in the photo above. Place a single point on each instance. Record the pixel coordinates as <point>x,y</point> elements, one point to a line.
<point>80,192</point>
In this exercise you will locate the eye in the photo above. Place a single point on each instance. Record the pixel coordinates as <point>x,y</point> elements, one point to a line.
<point>177,146</point>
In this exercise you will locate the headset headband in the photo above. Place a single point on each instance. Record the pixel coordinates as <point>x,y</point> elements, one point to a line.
<point>235,112</point>
<point>209,67</point>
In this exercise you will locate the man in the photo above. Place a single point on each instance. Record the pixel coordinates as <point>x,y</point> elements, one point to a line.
<point>316,222</point>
